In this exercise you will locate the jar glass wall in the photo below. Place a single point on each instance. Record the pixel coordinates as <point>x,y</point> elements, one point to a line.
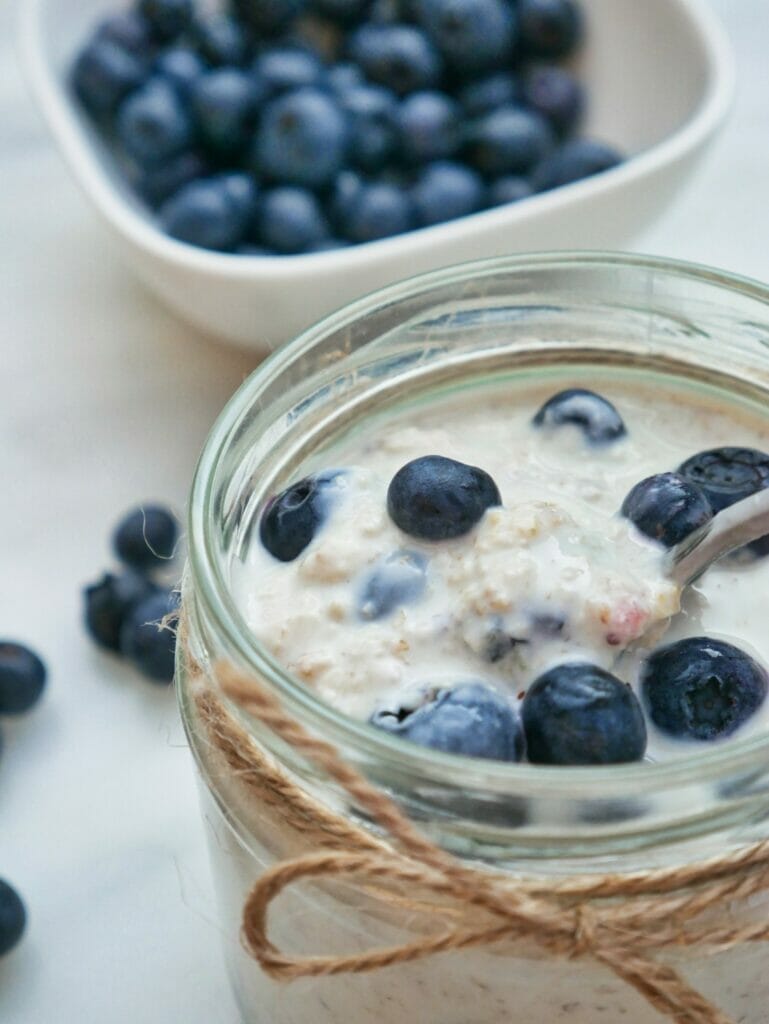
<point>460,329</point>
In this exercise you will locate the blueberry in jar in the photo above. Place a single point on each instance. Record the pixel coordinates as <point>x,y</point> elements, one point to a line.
<point>728,475</point>
<point>575,160</point>
<point>302,139</point>
<point>399,578</point>
<point>148,636</point>
<point>13,918</point>
<point>667,507</point>
<point>579,714</point>
<point>469,718</point>
<point>508,140</point>
<point>203,213</point>
<point>702,689</point>
<point>376,210</point>
<point>293,518</point>
<point>445,190</point>
<point>153,124</point>
<point>22,678</point>
<point>555,94</point>
<point>345,12</point>
<point>473,36</point>
<point>167,18</point>
<point>549,28</point>
<point>397,56</point>
<point>593,414</point>
<point>146,537</point>
<point>436,498</point>
<point>104,74</point>
<point>108,601</point>
<point>428,126</point>
<point>289,220</point>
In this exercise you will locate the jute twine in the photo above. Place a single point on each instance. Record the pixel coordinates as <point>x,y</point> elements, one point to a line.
<point>621,921</point>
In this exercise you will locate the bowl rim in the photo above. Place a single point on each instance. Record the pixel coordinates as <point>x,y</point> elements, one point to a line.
<point>711,764</point>
<point>67,126</point>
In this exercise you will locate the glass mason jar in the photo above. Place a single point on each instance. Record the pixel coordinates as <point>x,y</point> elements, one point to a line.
<point>524,317</point>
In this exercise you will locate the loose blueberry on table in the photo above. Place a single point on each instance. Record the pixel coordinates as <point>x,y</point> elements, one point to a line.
<point>443,107</point>
<point>13,918</point>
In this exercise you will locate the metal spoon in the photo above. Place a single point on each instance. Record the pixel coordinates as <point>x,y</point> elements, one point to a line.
<point>741,523</point>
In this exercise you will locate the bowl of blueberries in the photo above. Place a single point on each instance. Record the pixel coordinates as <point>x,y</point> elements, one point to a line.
<point>263,162</point>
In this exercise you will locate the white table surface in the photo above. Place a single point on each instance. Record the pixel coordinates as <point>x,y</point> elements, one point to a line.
<point>105,399</point>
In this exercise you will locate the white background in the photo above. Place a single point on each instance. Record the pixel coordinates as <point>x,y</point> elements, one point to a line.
<point>106,400</point>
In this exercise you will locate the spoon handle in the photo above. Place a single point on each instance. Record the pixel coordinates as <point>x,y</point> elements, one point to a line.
<point>741,523</point>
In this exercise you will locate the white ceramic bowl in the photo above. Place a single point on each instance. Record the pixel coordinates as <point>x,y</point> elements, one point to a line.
<point>660,81</point>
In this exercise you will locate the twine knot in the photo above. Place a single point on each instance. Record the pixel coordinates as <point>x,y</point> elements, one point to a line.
<point>621,921</point>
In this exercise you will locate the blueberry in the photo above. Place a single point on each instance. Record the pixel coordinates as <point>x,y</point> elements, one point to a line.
<point>428,126</point>
<point>103,75</point>
<point>575,160</point>
<point>267,17</point>
<point>302,139</point>
<point>108,602</point>
<point>249,249</point>
<point>22,678</point>
<point>397,579</point>
<point>344,76</point>
<point>157,183</point>
<point>346,12</point>
<point>377,210</point>
<point>371,110</point>
<point>469,718</point>
<point>702,689</point>
<point>398,56</point>
<point>389,12</point>
<point>445,190</point>
<point>221,40</point>
<point>146,537</point>
<point>240,188</point>
<point>284,68</point>
<point>203,213</point>
<point>181,67</point>
<point>578,714</point>
<point>167,18</point>
<point>556,94</point>
<point>595,416</point>
<point>129,30</point>
<point>727,475</point>
<point>549,28</point>
<point>148,638</point>
<point>435,498</point>
<point>343,196</point>
<point>667,508</point>
<point>329,244</point>
<point>153,124</point>
<point>13,918</point>
<point>482,95</point>
<point>290,220</point>
<point>291,519</point>
<point>508,140</point>
<point>473,36</point>
<point>224,104</point>
<point>510,188</point>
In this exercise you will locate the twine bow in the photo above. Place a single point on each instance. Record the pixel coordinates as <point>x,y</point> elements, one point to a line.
<point>621,921</point>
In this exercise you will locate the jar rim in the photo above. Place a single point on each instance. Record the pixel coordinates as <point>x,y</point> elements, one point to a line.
<point>729,759</point>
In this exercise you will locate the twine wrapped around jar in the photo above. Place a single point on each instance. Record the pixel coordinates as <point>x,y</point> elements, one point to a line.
<point>621,921</point>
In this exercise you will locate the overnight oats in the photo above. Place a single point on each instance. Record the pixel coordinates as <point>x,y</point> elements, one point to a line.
<point>441,545</point>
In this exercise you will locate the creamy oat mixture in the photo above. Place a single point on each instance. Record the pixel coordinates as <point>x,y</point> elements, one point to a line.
<point>552,574</point>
